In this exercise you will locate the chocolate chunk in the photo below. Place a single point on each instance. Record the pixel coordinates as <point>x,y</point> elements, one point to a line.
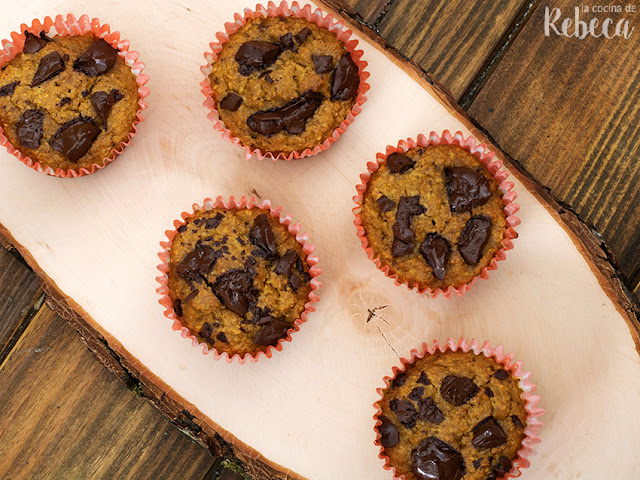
<point>477,462</point>
<point>234,289</point>
<point>222,337</point>
<point>286,42</point>
<point>434,459</point>
<point>488,434</point>
<point>457,390</point>
<point>466,189</point>
<point>75,138</point>
<point>302,35</point>
<point>64,101</point>
<point>516,421</point>
<point>473,238</point>
<point>261,236</point>
<point>389,436</point>
<point>268,79</point>
<point>191,296</point>
<point>400,248</point>
<point>213,222</point>
<point>256,55</point>
<point>206,331</point>
<point>345,80</point>
<point>49,66</point>
<point>399,380</point>
<point>399,163</point>
<point>33,44</point>
<point>8,89</point>
<point>292,117</point>
<point>417,393</point>
<point>85,93</point>
<point>177,307</point>
<point>272,333</point>
<point>182,228</point>
<point>103,102</point>
<point>322,63</point>
<point>299,265</point>
<point>197,263</point>
<point>501,374</point>
<point>29,128</point>
<point>406,412</point>
<point>99,58</point>
<point>489,392</point>
<point>429,412</point>
<point>385,203</point>
<point>407,207</point>
<point>286,262</point>
<point>504,465</point>
<point>231,102</point>
<point>423,379</point>
<point>436,251</point>
<point>262,320</point>
<point>295,282</point>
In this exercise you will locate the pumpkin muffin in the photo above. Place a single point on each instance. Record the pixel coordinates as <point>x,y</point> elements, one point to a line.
<point>452,416</point>
<point>237,279</point>
<point>66,102</point>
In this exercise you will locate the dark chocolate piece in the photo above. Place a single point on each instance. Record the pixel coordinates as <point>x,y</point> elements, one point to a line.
<point>302,35</point>
<point>406,412</point>
<point>436,251</point>
<point>400,248</point>
<point>272,333</point>
<point>33,44</point>
<point>489,392</point>
<point>292,117</point>
<point>295,281</point>
<point>434,459</point>
<point>385,203</point>
<point>258,320</point>
<point>8,89</point>
<point>473,239</point>
<point>261,236</point>
<point>182,228</point>
<point>407,207</point>
<point>416,393</point>
<point>466,189</point>
<point>429,412</point>
<point>423,379</point>
<point>192,295</point>
<point>49,66</point>
<point>457,390</point>
<point>268,79</point>
<point>231,102</point>
<point>64,101</point>
<point>85,93</point>
<point>399,163</point>
<point>345,80</point>
<point>197,263</point>
<point>222,337</point>
<point>102,103</point>
<point>286,262</point>
<point>322,63</point>
<point>516,421</point>
<point>99,58</point>
<point>177,307</point>
<point>488,434</point>
<point>29,128</point>
<point>399,380</point>
<point>503,466</point>
<point>256,55</point>
<point>286,42</point>
<point>389,436</point>
<point>477,462</point>
<point>206,331</point>
<point>501,374</point>
<point>214,222</point>
<point>75,138</point>
<point>234,289</point>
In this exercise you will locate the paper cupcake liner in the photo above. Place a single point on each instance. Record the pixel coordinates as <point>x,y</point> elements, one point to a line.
<point>493,164</point>
<point>70,26</point>
<point>316,16</point>
<point>533,423</point>
<point>293,228</point>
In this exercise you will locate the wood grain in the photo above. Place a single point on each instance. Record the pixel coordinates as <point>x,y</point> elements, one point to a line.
<point>63,416</point>
<point>370,12</point>
<point>567,110</point>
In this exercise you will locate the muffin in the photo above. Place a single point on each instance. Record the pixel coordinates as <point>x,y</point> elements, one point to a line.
<point>283,84</point>
<point>67,102</point>
<point>452,415</point>
<point>237,279</point>
<point>434,216</point>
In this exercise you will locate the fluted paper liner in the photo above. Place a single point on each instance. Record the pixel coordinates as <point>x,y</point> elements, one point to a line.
<point>506,360</point>
<point>293,228</point>
<point>316,16</point>
<point>70,26</point>
<point>481,152</point>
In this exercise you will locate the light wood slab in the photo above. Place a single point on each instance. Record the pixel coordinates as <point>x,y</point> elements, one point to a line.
<point>94,241</point>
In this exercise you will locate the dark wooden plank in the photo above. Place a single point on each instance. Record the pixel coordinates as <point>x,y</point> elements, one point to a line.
<point>63,416</point>
<point>368,11</point>
<point>568,111</point>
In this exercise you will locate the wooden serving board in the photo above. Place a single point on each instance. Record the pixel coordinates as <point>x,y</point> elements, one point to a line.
<point>307,412</point>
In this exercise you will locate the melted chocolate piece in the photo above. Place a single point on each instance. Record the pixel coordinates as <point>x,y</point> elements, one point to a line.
<point>99,58</point>
<point>33,44</point>
<point>473,239</point>
<point>286,262</point>
<point>256,55</point>
<point>286,43</point>
<point>75,138</point>
<point>400,248</point>
<point>213,222</point>
<point>49,66</point>
<point>399,163</point>
<point>234,289</point>
<point>407,207</point>
<point>268,79</point>
<point>257,320</point>
<point>64,101</point>
<point>177,307</point>
<point>261,236</point>
<point>29,128</point>
<point>191,296</point>
<point>406,412</point>
<point>295,282</point>
<point>272,333</point>
<point>399,380</point>
<point>423,379</point>
<point>8,89</point>
<point>489,392</point>
<point>466,189</point>
<point>385,203</point>
<point>206,331</point>
<point>477,462</point>
<point>488,434</point>
<point>434,459</point>
<point>222,337</point>
<point>231,102</point>
<point>429,412</point>
<point>345,80</point>
<point>503,466</point>
<point>302,35</point>
<point>457,390</point>
<point>103,102</point>
<point>501,374</point>
<point>416,394</point>
<point>389,436</point>
<point>292,117</point>
<point>516,421</point>
<point>436,251</point>
<point>322,63</point>
<point>197,263</point>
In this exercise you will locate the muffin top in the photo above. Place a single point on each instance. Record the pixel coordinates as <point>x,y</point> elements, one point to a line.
<point>452,416</point>
<point>67,102</point>
<point>434,215</point>
<point>237,279</point>
<point>283,84</point>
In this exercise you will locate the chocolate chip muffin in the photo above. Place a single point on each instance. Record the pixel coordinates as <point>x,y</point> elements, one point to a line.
<point>452,416</point>
<point>237,279</point>
<point>283,84</point>
<point>66,102</point>
<point>434,215</point>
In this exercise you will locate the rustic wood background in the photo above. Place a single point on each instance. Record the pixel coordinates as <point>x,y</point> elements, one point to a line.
<point>567,110</point>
